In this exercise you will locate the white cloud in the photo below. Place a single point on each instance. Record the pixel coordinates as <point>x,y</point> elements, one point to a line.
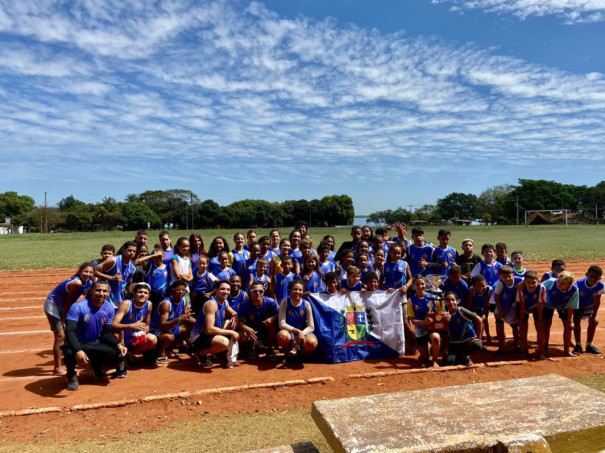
<point>135,84</point>
<point>572,11</point>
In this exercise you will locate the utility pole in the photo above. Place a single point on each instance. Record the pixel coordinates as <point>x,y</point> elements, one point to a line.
<point>45,225</point>
<point>191,195</point>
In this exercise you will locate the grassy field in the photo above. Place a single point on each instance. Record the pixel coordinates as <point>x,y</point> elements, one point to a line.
<point>540,243</point>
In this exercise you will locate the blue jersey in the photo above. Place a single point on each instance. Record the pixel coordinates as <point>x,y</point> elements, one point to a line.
<point>235,302</point>
<point>447,255</point>
<point>116,295</point>
<point>586,293</point>
<point>264,279</point>
<point>555,298</point>
<point>200,323</point>
<point>203,283</point>
<point>254,316</point>
<point>213,264</point>
<point>134,314</point>
<point>296,255</point>
<point>90,319</point>
<point>531,298</point>
<point>296,316</point>
<point>418,254</point>
<point>168,254</point>
<point>328,266</point>
<point>479,300</point>
<point>315,283</point>
<point>224,274</point>
<point>418,308</point>
<point>395,275</point>
<point>490,272</point>
<point>344,284</point>
<point>158,279</point>
<point>520,272</point>
<point>508,299</point>
<point>55,301</point>
<point>461,326</point>
<point>461,289</point>
<point>237,260</point>
<point>281,285</point>
<point>176,310</point>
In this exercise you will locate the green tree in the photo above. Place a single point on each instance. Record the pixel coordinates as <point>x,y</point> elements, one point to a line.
<point>458,205</point>
<point>15,206</point>
<point>491,203</point>
<point>137,215</point>
<point>389,216</point>
<point>69,203</point>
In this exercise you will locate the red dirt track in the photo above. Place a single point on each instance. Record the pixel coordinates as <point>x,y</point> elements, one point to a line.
<point>26,380</point>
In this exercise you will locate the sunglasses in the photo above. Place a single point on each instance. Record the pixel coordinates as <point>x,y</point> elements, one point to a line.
<point>257,291</point>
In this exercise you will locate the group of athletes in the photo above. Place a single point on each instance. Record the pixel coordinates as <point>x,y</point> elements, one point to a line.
<point>145,305</point>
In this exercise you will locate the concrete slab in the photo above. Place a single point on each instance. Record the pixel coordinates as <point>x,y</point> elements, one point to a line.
<point>303,447</point>
<point>518,415</point>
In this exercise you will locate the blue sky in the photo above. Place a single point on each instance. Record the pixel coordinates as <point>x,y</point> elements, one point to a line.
<point>395,103</point>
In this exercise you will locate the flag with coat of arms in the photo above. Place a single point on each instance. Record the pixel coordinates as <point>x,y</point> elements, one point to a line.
<point>358,326</point>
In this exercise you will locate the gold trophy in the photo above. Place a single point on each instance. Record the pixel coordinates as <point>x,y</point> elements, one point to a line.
<point>437,322</point>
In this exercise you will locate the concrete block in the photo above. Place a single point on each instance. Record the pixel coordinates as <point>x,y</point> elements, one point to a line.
<point>40,410</point>
<point>516,415</point>
<point>320,380</point>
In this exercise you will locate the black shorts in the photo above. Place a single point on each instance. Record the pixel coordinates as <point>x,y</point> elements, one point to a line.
<point>580,313</point>
<point>492,307</point>
<point>478,311</point>
<point>422,341</point>
<point>548,313</point>
<point>203,342</point>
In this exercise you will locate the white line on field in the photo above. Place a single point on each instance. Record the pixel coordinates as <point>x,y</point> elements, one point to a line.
<point>25,332</point>
<point>30,378</point>
<point>24,351</point>
<point>22,317</point>
<point>22,298</point>
<point>21,308</point>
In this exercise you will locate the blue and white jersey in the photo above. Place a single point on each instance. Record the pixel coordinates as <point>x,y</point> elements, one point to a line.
<point>531,298</point>
<point>508,299</point>
<point>555,298</point>
<point>395,274</point>
<point>587,294</point>
<point>254,316</point>
<point>55,301</point>
<point>344,284</point>
<point>491,271</point>
<point>328,266</point>
<point>203,283</point>
<point>447,255</point>
<point>116,295</point>
<point>418,254</point>
<point>224,274</point>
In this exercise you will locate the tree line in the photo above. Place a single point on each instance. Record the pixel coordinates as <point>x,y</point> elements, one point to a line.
<point>501,204</point>
<point>183,209</point>
<point>175,208</point>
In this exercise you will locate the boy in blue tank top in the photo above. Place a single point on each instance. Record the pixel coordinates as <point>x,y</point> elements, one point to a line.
<point>479,295</point>
<point>420,253</point>
<point>454,283</point>
<point>444,255</point>
<point>590,289</point>
<point>560,295</point>
<point>120,270</point>
<point>131,323</point>
<point>280,282</point>
<point>505,297</point>
<point>530,293</point>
